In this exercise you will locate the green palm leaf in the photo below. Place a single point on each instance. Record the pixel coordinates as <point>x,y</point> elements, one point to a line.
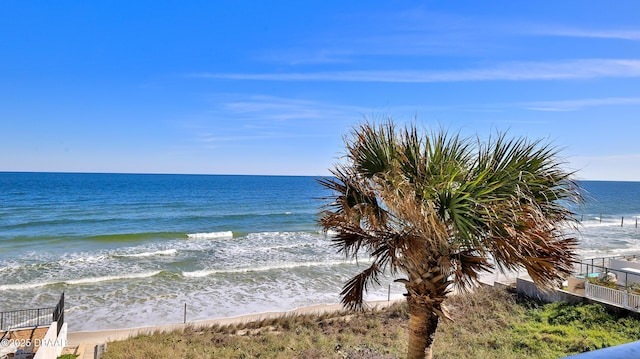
<point>440,209</point>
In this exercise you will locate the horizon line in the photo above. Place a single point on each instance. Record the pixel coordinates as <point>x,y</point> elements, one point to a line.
<point>230,174</point>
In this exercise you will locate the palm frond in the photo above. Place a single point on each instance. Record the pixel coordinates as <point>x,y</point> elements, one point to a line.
<point>353,291</point>
<point>373,150</point>
<point>467,265</point>
<point>442,208</point>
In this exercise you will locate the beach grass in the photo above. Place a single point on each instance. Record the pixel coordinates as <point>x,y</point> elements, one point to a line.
<point>488,323</point>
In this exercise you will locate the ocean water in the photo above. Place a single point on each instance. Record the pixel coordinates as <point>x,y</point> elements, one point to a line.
<point>610,219</point>
<point>131,250</point>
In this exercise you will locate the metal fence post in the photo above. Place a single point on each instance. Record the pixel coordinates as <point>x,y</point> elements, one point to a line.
<point>626,279</point>
<point>99,350</point>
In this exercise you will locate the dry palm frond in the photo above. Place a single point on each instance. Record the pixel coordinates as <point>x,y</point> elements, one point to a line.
<point>440,209</point>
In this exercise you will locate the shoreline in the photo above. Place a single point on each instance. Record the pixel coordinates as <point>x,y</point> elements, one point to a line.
<point>85,343</point>
<point>104,335</point>
<point>87,340</point>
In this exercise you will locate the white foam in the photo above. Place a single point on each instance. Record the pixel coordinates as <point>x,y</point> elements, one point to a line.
<point>204,273</point>
<point>199,273</point>
<point>112,278</point>
<point>22,286</point>
<point>210,235</point>
<point>331,233</point>
<point>90,259</point>
<point>167,252</point>
<point>70,261</point>
<point>596,223</point>
<point>78,281</point>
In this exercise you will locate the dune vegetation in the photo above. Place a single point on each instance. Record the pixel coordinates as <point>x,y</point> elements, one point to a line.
<point>488,323</point>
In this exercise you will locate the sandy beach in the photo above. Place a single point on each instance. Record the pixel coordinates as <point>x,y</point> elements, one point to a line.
<point>85,341</point>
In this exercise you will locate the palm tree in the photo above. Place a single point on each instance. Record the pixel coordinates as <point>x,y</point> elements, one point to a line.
<point>440,209</point>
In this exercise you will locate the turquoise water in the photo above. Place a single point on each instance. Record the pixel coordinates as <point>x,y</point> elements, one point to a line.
<point>131,250</point>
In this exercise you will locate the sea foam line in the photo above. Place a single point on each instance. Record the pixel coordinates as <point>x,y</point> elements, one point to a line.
<point>111,278</point>
<point>210,235</point>
<point>167,252</point>
<point>69,261</point>
<point>78,281</point>
<point>208,272</point>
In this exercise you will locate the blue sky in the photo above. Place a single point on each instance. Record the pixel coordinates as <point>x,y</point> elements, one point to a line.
<point>271,87</point>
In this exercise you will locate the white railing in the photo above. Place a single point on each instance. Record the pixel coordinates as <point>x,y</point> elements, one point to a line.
<point>633,302</point>
<point>612,296</point>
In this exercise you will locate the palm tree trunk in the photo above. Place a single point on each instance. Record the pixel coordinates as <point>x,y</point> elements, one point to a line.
<point>423,323</point>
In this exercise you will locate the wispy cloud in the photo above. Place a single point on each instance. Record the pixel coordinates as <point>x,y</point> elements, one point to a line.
<point>410,32</point>
<point>265,107</point>
<point>235,118</point>
<point>233,136</point>
<point>574,105</point>
<point>306,56</point>
<point>518,71</point>
<point>633,35</point>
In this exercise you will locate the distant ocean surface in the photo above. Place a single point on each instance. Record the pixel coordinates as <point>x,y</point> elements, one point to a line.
<point>131,250</point>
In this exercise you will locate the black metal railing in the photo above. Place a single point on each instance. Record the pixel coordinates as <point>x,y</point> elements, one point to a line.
<point>58,313</point>
<point>26,318</point>
<point>602,262</point>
